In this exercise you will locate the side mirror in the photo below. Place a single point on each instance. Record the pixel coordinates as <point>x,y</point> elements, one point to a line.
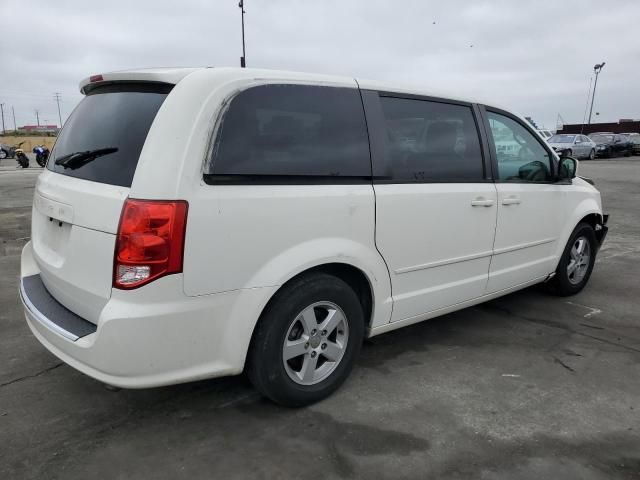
<point>567,168</point>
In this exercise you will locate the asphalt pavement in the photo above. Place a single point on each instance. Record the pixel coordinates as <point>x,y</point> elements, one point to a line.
<point>527,386</point>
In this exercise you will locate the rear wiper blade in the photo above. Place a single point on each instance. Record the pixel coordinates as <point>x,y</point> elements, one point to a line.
<point>78,159</point>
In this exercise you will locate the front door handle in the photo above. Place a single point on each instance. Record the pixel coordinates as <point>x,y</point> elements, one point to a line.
<point>481,202</point>
<point>511,200</point>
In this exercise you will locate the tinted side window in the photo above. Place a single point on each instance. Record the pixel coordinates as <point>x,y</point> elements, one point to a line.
<point>521,157</point>
<point>431,141</point>
<point>293,130</point>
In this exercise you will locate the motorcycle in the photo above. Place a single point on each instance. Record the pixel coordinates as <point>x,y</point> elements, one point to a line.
<point>42,154</point>
<point>21,157</point>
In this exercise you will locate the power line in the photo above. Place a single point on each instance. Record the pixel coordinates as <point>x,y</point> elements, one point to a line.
<point>586,105</point>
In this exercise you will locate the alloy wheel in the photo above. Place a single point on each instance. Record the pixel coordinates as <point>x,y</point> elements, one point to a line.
<point>315,343</point>
<point>580,257</point>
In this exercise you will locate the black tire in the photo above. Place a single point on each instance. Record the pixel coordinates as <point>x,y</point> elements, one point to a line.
<point>41,161</point>
<point>592,154</point>
<point>561,284</point>
<point>3,154</point>
<point>265,364</point>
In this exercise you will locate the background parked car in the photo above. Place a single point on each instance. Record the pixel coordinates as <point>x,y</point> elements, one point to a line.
<point>546,134</point>
<point>635,142</point>
<point>577,146</point>
<point>611,144</point>
<point>5,151</point>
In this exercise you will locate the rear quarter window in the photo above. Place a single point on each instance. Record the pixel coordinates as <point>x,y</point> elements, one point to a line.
<point>112,116</point>
<point>288,130</point>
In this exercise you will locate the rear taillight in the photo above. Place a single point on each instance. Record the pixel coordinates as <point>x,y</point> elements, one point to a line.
<point>150,241</point>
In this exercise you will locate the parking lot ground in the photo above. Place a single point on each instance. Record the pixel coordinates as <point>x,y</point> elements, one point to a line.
<point>528,386</point>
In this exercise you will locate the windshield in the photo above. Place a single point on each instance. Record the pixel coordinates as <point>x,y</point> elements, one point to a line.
<point>602,138</point>
<point>113,118</point>
<point>562,139</point>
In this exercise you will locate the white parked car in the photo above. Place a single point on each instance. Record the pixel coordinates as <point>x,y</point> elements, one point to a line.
<point>195,223</point>
<point>573,145</point>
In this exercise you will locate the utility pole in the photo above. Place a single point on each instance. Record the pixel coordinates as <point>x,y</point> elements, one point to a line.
<point>38,117</point>
<point>586,106</point>
<point>243,58</point>
<point>15,129</point>
<point>596,69</point>
<point>57,97</point>
<point>2,109</point>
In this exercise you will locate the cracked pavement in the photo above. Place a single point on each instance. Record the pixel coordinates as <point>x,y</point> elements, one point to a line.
<point>527,386</point>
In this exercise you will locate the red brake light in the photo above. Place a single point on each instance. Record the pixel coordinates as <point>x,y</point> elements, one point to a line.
<point>150,241</point>
<point>95,78</point>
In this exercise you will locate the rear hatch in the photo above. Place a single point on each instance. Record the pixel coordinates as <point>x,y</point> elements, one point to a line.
<point>79,196</point>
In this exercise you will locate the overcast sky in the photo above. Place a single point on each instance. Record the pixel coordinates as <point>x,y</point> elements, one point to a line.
<point>535,57</point>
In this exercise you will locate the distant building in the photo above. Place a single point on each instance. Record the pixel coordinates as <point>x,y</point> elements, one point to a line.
<point>625,125</point>
<point>37,129</point>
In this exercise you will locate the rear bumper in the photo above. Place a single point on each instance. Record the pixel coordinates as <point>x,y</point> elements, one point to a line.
<point>148,337</point>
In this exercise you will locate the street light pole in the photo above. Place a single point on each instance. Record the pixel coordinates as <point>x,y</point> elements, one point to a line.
<point>596,69</point>
<point>243,58</point>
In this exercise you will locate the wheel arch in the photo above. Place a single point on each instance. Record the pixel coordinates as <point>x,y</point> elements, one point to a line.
<point>349,273</point>
<point>588,212</point>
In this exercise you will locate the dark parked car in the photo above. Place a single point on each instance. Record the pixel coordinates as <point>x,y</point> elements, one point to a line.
<point>635,142</point>
<point>611,144</point>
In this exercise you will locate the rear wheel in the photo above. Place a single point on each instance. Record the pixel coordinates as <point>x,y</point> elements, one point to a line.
<point>3,154</point>
<point>306,341</point>
<point>592,154</point>
<point>576,263</point>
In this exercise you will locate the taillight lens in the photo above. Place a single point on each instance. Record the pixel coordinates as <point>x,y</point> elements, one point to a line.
<point>150,241</point>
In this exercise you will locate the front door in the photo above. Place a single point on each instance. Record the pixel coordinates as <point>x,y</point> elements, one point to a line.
<point>528,204</point>
<point>435,210</point>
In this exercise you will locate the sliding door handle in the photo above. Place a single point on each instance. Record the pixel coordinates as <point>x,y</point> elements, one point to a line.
<point>481,202</point>
<point>511,200</point>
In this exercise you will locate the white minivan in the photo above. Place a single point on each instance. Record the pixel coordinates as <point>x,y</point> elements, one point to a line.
<point>195,223</point>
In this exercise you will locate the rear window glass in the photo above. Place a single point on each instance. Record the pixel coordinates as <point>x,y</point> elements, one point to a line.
<point>113,117</point>
<point>292,130</point>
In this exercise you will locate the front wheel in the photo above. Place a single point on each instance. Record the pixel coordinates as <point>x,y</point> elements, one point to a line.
<point>306,341</point>
<point>3,154</point>
<point>41,160</point>
<point>576,263</point>
<point>592,154</point>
